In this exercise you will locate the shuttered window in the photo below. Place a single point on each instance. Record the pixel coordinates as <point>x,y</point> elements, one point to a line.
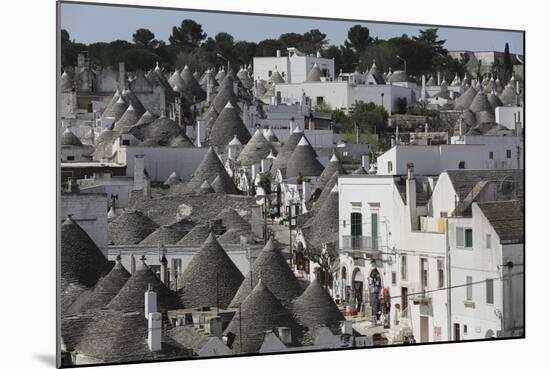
<point>489,291</point>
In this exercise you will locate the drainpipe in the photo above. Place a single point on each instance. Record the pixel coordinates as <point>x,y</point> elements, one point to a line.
<point>448,261</point>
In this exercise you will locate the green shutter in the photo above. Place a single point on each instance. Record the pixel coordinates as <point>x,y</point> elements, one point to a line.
<point>374,230</point>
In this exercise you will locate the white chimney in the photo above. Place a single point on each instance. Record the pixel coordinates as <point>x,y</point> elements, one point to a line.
<point>200,132</point>
<point>285,335</point>
<point>164,275</point>
<point>306,189</point>
<point>155,331</point>
<point>266,165</point>
<point>291,125</point>
<point>150,302</point>
<point>411,197</point>
<point>318,55</point>
<point>146,185</point>
<point>347,327</point>
<point>215,326</point>
<point>365,162</point>
<point>278,53</point>
<point>139,166</point>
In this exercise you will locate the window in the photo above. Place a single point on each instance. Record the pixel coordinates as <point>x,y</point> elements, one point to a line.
<point>393,278</point>
<point>465,329</point>
<point>424,273</point>
<point>508,154</point>
<point>440,273</point>
<point>176,265</point>
<point>488,241</point>
<point>469,288</point>
<point>390,167</point>
<point>489,291</point>
<point>70,157</point>
<point>461,165</point>
<point>490,154</point>
<point>469,237</point>
<point>126,142</point>
<point>320,100</point>
<point>269,73</point>
<point>374,230</point>
<point>404,267</point>
<point>356,224</point>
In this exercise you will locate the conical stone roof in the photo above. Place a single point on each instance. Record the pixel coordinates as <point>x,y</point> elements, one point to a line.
<point>231,219</point>
<point>333,165</point>
<point>286,151</point>
<point>494,101</point>
<point>175,80</point>
<point>196,237</point>
<point>509,96</point>
<point>66,82</point>
<point>172,179</point>
<point>108,287</point>
<point>130,228</point>
<point>117,110</point>
<point>257,149</point>
<point>327,190</point>
<point>465,100</point>
<point>146,118</point>
<point>81,260</point>
<point>162,131</point>
<point>480,103</point>
<point>68,138</point>
<point>131,296</point>
<point>228,124</point>
<point>315,308</point>
<point>323,228</point>
<point>224,185</point>
<point>261,311</point>
<point>205,188</point>
<point>303,161</point>
<point>131,99</point>
<point>209,168</point>
<point>225,94</point>
<point>190,84</point>
<point>211,278</point>
<point>314,74</point>
<point>275,273</point>
<point>127,120</point>
<point>111,102</point>
<point>168,234</point>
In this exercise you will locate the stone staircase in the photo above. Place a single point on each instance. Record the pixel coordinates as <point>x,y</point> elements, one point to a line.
<point>397,332</point>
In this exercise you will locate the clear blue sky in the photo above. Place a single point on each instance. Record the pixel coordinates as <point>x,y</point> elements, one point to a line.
<point>94,23</point>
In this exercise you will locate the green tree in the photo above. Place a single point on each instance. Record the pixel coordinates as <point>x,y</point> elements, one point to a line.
<point>313,41</point>
<point>358,38</point>
<point>145,38</point>
<point>189,34</point>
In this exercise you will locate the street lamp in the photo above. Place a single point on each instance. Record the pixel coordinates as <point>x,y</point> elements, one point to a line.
<point>404,62</point>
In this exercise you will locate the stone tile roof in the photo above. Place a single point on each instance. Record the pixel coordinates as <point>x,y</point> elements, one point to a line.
<point>227,125</point>
<point>281,160</point>
<point>257,149</point>
<point>130,228</point>
<point>81,260</point>
<point>161,132</point>
<point>463,181</point>
<point>68,138</point>
<point>506,218</point>
<point>168,234</point>
<point>275,273</point>
<point>465,100</point>
<point>119,337</point>
<point>211,278</point>
<point>107,287</point>
<point>303,161</point>
<point>322,229</point>
<point>131,296</point>
<point>231,219</point>
<point>196,237</point>
<point>261,311</point>
<point>314,308</point>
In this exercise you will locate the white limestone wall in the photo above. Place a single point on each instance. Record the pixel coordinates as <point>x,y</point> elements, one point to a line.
<point>160,162</point>
<point>89,211</point>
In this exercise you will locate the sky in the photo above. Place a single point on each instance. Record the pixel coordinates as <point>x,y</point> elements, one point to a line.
<point>96,23</point>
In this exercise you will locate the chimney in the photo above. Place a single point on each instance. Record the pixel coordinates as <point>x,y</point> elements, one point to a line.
<point>121,76</point>
<point>439,78</point>
<point>265,165</point>
<point>162,107</point>
<point>150,302</point>
<point>155,331</point>
<point>365,162</point>
<point>291,125</point>
<point>285,335</point>
<point>347,327</point>
<point>164,275</point>
<point>208,86</point>
<point>306,189</point>
<point>146,184</point>
<point>411,196</point>
<point>200,132</point>
<point>423,91</point>
<point>139,167</point>
<point>318,55</point>
<point>215,326</point>
<point>278,53</point>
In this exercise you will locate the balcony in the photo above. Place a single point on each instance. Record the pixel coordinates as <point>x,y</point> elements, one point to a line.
<point>360,244</point>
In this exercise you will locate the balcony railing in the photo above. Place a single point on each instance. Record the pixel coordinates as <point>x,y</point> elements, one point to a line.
<point>360,243</point>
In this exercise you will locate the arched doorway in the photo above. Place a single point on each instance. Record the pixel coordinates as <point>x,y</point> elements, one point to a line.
<point>345,293</point>
<point>357,288</point>
<point>374,288</point>
<point>302,262</point>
